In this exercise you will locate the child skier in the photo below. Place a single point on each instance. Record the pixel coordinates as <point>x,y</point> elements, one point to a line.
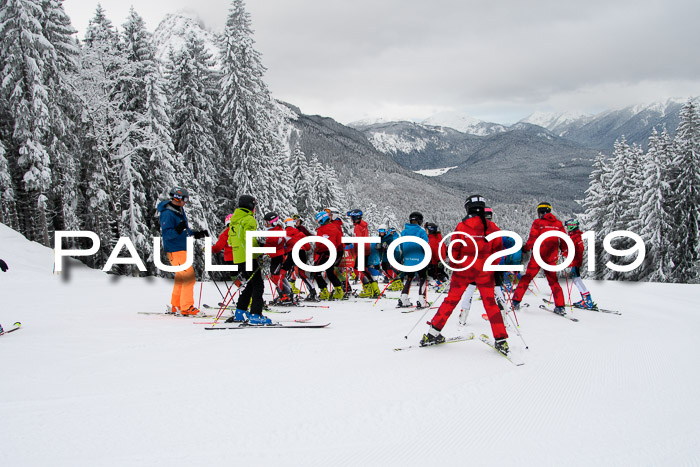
<point>549,251</point>
<point>174,231</point>
<point>284,291</point>
<point>293,235</point>
<point>369,285</point>
<point>476,225</point>
<point>413,254</point>
<point>327,230</point>
<point>586,301</point>
<point>435,270</point>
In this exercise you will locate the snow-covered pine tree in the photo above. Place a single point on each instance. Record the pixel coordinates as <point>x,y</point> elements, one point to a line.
<point>328,192</point>
<point>656,222</point>
<point>302,183</point>
<point>597,204</point>
<point>192,110</point>
<point>253,146</point>
<point>8,211</point>
<point>686,195</point>
<point>26,54</point>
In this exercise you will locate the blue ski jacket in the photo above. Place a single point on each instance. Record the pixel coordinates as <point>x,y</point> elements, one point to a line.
<point>170,217</point>
<point>412,252</point>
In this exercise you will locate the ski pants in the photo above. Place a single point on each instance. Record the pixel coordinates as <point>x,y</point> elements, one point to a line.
<point>422,282</point>
<point>366,276</point>
<point>459,282</point>
<point>183,290</point>
<point>321,258</point>
<point>576,278</point>
<point>532,269</point>
<point>253,289</point>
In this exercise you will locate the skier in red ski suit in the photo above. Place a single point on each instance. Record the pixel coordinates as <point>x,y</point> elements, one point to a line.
<point>370,289</point>
<point>476,225</point>
<point>549,251</point>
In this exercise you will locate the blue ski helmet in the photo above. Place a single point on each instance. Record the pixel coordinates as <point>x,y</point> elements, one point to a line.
<point>355,215</point>
<point>322,217</point>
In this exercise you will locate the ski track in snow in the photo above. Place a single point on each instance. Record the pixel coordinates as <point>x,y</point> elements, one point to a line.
<point>88,381</point>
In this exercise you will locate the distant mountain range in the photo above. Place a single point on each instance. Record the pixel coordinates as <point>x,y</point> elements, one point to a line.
<point>542,157</point>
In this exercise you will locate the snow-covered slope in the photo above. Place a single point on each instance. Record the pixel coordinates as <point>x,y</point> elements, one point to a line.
<point>172,33</point>
<point>465,123</point>
<point>88,381</point>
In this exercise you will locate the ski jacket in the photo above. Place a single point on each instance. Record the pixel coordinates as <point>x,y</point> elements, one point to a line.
<point>412,252</point>
<point>293,236</point>
<point>578,249</point>
<point>242,222</point>
<point>276,242</point>
<point>549,251</point>
<point>463,253</point>
<point>222,244</point>
<point>437,252</point>
<point>513,258</point>
<point>361,230</point>
<point>305,231</point>
<point>338,223</point>
<point>330,232</point>
<point>170,217</point>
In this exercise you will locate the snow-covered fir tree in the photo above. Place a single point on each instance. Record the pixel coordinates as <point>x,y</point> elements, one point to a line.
<point>26,55</point>
<point>597,203</point>
<point>655,220</point>
<point>252,144</point>
<point>686,195</point>
<point>8,213</point>
<point>303,184</point>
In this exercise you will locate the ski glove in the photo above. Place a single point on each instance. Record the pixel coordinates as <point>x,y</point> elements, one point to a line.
<point>179,228</point>
<point>3,266</point>
<point>201,234</point>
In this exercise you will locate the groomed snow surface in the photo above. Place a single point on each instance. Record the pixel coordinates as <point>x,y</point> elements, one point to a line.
<point>89,382</point>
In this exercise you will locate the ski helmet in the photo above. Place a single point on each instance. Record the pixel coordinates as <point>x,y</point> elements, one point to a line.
<point>323,217</point>
<point>571,225</point>
<point>355,215</point>
<point>416,217</point>
<point>271,218</point>
<point>488,213</point>
<point>290,222</point>
<point>475,204</point>
<point>179,193</point>
<point>333,213</point>
<point>544,208</point>
<point>432,227</point>
<point>247,202</point>
<point>228,219</point>
<point>382,229</point>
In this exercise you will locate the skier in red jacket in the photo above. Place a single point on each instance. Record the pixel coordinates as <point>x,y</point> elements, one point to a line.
<point>370,288</point>
<point>435,269</point>
<point>293,235</point>
<point>478,227</point>
<point>327,230</point>
<point>586,301</point>
<point>549,251</point>
<point>284,291</point>
<point>222,243</point>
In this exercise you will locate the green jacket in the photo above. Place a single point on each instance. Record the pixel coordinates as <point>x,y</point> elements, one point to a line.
<point>241,223</point>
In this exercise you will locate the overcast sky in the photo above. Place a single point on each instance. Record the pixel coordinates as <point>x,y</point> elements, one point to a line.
<point>494,60</point>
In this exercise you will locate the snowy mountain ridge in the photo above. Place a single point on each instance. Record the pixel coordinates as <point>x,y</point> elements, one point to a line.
<point>172,33</point>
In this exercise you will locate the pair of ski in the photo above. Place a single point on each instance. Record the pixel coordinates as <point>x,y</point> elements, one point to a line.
<point>223,319</point>
<point>16,326</point>
<point>233,307</point>
<point>515,360</point>
<point>277,325</point>
<point>597,309</point>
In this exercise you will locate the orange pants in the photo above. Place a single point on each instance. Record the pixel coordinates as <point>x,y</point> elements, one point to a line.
<point>183,290</point>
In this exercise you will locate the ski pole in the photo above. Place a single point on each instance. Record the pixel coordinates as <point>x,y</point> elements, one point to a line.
<point>517,331</point>
<point>427,309</point>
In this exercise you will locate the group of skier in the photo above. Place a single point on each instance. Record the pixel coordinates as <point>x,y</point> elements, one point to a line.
<point>372,260</point>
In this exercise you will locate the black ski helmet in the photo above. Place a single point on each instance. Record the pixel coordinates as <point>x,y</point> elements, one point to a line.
<point>179,193</point>
<point>416,218</point>
<point>355,215</point>
<point>475,204</point>
<point>247,202</point>
<point>432,227</point>
<point>544,208</point>
<point>271,217</point>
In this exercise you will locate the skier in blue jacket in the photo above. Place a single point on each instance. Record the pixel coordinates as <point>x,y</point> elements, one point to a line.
<point>413,254</point>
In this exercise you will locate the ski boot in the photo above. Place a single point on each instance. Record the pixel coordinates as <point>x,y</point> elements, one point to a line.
<point>463,316</point>
<point>432,337</point>
<point>325,295</point>
<point>422,303</point>
<point>560,310</point>
<point>375,290</point>
<point>284,299</point>
<point>259,320</point>
<point>191,311</point>
<point>502,346</point>
<point>404,301</point>
<point>172,310</point>
<point>312,296</point>
<point>397,286</point>
<point>338,293</point>
<point>586,302</point>
<point>295,291</point>
<point>367,291</point>
<point>239,316</point>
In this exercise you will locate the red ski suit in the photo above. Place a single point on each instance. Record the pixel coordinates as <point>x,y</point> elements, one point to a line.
<point>434,242</point>
<point>331,232</point>
<point>578,248</point>
<point>222,244</point>
<point>464,254</point>
<point>549,251</point>
<point>293,236</point>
